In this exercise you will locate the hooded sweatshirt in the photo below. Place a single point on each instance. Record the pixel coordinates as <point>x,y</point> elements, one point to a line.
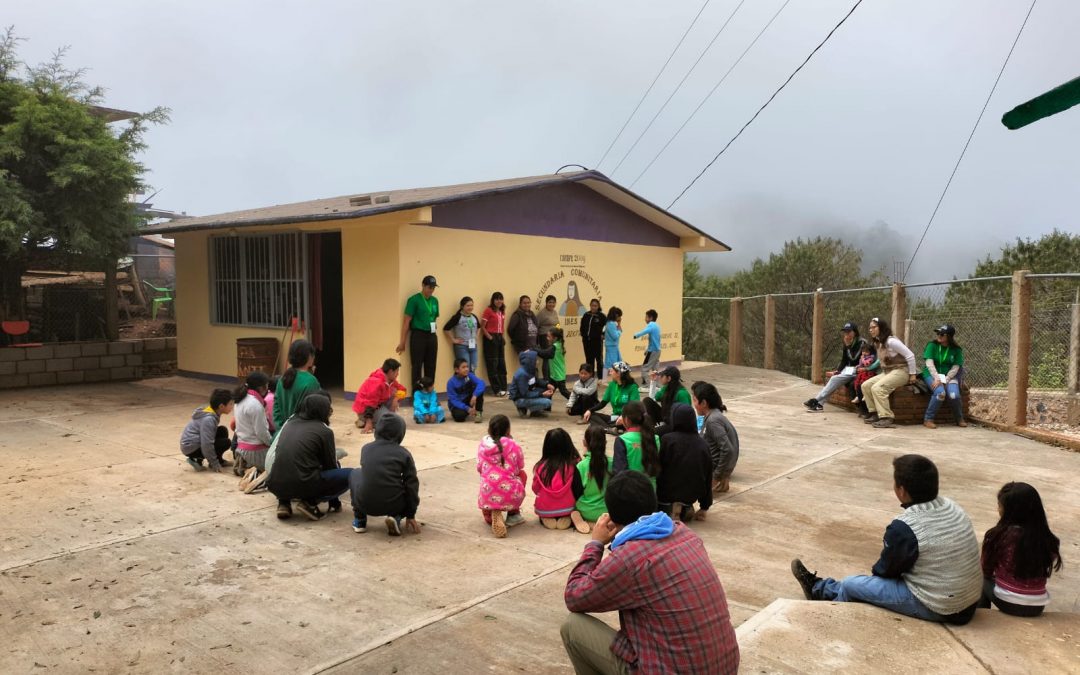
<point>502,474</point>
<point>374,392</point>
<point>556,498</point>
<point>199,434</point>
<point>386,483</point>
<point>525,384</point>
<point>685,463</point>
<point>305,449</point>
<point>723,442</point>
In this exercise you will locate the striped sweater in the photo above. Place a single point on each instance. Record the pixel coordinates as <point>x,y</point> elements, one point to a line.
<point>946,576</point>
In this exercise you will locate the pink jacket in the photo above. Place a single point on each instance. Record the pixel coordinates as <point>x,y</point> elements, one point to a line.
<point>554,500</point>
<point>502,474</point>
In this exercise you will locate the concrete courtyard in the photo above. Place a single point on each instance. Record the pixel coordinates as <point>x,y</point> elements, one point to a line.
<point>116,557</point>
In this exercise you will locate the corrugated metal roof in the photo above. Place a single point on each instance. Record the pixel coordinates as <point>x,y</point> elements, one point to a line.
<point>339,208</point>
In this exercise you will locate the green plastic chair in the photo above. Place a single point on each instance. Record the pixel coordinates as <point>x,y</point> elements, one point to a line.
<point>164,296</point>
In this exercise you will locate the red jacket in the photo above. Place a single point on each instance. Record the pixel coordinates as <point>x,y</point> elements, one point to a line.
<point>374,392</point>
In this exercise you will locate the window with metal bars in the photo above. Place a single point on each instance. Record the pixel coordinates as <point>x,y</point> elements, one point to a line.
<point>257,280</point>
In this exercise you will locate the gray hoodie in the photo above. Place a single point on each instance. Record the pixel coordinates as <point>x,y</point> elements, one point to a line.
<point>199,435</point>
<point>723,443</point>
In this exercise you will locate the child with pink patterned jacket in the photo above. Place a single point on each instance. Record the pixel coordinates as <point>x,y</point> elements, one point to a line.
<point>500,462</point>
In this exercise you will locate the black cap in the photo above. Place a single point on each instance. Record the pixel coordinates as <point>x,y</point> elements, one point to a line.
<point>670,371</point>
<point>850,326</point>
<point>945,329</point>
<point>429,281</point>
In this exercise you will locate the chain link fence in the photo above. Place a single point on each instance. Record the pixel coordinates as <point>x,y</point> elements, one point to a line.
<point>981,311</point>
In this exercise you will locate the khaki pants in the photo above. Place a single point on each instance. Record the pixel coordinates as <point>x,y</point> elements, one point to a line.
<point>876,390</point>
<point>588,643</point>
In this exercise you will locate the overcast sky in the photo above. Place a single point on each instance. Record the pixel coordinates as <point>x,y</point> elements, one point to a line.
<point>276,102</point>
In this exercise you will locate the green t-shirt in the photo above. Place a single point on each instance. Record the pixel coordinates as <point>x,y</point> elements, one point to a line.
<point>619,395</point>
<point>591,503</point>
<point>424,311</point>
<point>557,365</point>
<point>681,396</point>
<point>632,441</point>
<point>286,401</point>
<point>944,358</point>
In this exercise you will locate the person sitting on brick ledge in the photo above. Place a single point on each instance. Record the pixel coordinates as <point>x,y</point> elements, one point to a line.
<point>944,363</point>
<point>929,568</point>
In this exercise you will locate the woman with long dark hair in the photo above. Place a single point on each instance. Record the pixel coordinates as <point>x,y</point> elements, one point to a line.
<point>297,382</point>
<point>1019,553</point>
<point>592,335</point>
<point>493,328</point>
<point>898,369</point>
<point>554,480</point>
<point>594,470</point>
<point>671,391</point>
<point>638,448</point>
<point>719,433</point>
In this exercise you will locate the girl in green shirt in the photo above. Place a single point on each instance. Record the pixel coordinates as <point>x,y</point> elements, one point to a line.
<point>621,389</point>
<point>638,448</point>
<point>944,361</point>
<point>297,382</point>
<point>594,470</point>
<point>671,391</point>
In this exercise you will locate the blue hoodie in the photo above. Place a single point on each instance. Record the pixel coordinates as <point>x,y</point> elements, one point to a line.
<point>457,393</point>
<point>519,386</point>
<point>656,526</point>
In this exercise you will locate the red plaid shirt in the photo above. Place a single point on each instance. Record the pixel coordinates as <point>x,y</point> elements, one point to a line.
<point>672,609</point>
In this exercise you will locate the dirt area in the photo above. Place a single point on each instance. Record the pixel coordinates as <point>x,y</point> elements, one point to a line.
<point>118,557</point>
<point>138,328</point>
<point>1054,411</point>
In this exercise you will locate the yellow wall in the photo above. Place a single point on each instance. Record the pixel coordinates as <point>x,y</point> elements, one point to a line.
<point>634,278</point>
<point>385,257</point>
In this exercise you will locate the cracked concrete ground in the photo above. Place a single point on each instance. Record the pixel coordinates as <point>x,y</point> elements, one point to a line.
<point>116,557</point>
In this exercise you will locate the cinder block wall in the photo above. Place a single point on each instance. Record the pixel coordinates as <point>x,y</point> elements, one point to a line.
<point>78,362</point>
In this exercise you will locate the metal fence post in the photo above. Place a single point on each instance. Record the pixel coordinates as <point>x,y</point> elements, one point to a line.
<point>770,333</point>
<point>817,348</point>
<point>899,312</point>
<point>1074,349</point>
<point>735,350</point>
<point>1019,348</point>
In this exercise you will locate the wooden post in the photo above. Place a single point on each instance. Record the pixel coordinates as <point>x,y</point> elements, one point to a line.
<point>899,312</point>
<point>1074,350</point>
<point>770,333</point>
<point>909,328</point>
<point>1019,348</point>
<point>817,346</point>
<point>735,355</point>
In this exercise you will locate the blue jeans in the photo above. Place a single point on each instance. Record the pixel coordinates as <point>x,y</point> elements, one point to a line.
<point>952,394</point>
<point>835,382</point>
<point>463,352</point>
<point>534,404</point>
<point>333,483</point>
<point>891,594</point>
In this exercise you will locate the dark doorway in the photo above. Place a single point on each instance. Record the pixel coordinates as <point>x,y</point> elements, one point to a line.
<point>327,313</point>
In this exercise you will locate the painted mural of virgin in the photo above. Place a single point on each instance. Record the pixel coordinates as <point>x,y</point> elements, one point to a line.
<point>573,305</point>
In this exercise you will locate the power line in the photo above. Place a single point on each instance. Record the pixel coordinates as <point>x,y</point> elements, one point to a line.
<point>678,86</point>
<point>766,104</point>
<point>655,79</point>
<point>709,95</point>
<point>970,136</point>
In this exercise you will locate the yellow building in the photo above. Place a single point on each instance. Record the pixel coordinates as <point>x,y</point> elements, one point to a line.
<point>345,266</point>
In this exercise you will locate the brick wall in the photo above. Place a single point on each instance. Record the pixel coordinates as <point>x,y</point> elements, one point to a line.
<point>78,362</point>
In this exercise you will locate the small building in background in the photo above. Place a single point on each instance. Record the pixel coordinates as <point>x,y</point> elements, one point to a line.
<point>343,268</point>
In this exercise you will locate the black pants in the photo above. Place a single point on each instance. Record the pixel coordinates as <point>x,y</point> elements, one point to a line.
<point>460,415</point>
<point>560,386</point>
<point>221,444</point>
<point>545,368</point>
<point>583,403</point>
<point>495,358</point>
<point>1007,607</point>
<point>594,355</point>
<point>423,351</point>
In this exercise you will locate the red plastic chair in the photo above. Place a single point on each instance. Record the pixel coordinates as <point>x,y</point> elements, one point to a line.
<point>16,329</point>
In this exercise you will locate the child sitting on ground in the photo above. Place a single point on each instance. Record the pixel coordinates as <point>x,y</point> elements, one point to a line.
<point>1019,554</point>
<point>867,368</point>
<point>500,462</point>
<point>426,408</point>
<point>531,395</point>
<point>252,427</point>
<point>386,483</point>
<point>556,483</point>
<point>202,438</point>
<point>555,355</point>
<point>378,395</point>
<point>594,470</point>
<point>465,393</point>
<point>583,396</point>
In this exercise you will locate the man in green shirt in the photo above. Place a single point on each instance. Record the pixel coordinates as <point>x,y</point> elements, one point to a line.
<point>420,326</point>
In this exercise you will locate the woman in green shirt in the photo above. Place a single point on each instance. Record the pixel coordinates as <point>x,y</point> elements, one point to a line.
<point>944,361</point>
<point>621,389</point>
<point>638,448</point>
<point>594,470</point>
<point>671,391</point>
<point>297,382</point>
